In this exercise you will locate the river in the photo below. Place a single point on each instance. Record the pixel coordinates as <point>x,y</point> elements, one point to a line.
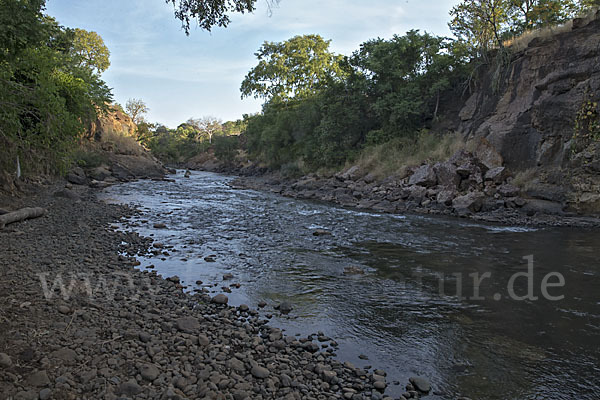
<point>416,309</point>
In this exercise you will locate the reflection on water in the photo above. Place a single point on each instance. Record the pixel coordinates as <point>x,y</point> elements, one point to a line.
<point>416,309</point>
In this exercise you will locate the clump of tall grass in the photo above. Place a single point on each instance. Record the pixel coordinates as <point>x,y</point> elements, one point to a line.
<point>397,155</point>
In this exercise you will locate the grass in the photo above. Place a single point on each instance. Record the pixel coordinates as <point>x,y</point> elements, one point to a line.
<point>521,42</point>
<point>523,178</point>
<point>397,155</point>
<point>119,143</point>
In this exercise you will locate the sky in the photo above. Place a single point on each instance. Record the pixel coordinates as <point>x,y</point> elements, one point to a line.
<point>181,77</point>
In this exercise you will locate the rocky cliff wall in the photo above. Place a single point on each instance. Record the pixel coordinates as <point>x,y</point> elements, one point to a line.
<point>532,115</point>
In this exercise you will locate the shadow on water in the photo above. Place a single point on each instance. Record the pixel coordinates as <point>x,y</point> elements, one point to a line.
<point>416,309</point>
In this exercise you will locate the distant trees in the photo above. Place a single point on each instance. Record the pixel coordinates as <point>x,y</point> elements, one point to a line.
<point>136,109</point>
<point>207,126</point>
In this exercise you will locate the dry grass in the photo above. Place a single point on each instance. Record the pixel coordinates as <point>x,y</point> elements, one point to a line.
<point>119,143</point>
<point>523,178</point>
<point>521,42</point>
<point>396,156</point>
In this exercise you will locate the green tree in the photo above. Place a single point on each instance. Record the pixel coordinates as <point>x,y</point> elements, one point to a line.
<point>297,67</point>
<point>405,77</point>
<point>480,23</point>
<point>46,98</point>
<point>136,109</point>
<point>90,50</point>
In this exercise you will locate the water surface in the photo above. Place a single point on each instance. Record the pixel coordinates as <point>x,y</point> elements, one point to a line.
<point>415,310</point>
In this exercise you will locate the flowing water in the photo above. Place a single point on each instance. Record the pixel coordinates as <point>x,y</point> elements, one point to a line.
<point>416,309</point>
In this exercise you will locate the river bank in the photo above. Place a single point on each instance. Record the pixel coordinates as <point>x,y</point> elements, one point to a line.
<point>460,187</point>
<point>79,320</point>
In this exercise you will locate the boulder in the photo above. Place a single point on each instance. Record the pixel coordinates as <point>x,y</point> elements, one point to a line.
<point>446,174</point>
<point>76,176</point>
<point>487,156</point>
<point>537,206</point>
<point>421,384</point>
<point>423,176</point>
<point>99,173</point>
<point>415,193</point>
<point>497,175</point>
<point>461,157</point>
<point>469,203</point>
<point>508,190</point>
<point>445,197</point>
<point>543,191</point>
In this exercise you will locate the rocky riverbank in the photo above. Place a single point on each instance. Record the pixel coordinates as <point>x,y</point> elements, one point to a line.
<point>78,320</point>
<point>473,185</point>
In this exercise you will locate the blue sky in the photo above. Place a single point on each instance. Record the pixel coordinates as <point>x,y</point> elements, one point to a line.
<point>199,75</point>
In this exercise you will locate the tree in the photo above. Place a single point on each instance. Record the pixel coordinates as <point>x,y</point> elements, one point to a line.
<point>211,13</point>
<point>208,126</point>
<point>90,50</point>
<point>480,22</point>
<point>136,109</point>
<point>298,67</point>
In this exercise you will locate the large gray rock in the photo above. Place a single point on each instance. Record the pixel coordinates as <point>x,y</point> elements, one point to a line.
<point>537,206</point>
<point>99,173</point>
<point>76,176</point>
<point>423,176</point>
<point>446,174</point>
<point>497,175</point>
<point>487,156</point>
<point>469,203</point>
<point>421,384</point>
<point>445,197</point>
<point>508,190</point>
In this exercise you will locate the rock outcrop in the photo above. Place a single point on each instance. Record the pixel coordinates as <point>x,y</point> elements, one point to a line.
<point>530,117</point>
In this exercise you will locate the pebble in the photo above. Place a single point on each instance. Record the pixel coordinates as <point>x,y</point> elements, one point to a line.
<point>260,372</point>
<point>5,361</point>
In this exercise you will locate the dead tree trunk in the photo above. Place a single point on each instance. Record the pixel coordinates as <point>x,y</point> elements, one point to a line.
<point>21,215</point>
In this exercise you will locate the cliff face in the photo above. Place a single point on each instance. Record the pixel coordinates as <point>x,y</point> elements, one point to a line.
<point>531,118</point>
<point>113,134</point>
<point>114,121</point>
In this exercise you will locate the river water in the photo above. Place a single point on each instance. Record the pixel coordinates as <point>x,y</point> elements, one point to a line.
<point>416,309</point>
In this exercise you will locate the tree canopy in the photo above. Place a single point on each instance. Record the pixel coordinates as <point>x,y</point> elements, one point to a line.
<point>90,50</point>
<point>209,14</point>
<point>297,67</point>
<point>46,96</point>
